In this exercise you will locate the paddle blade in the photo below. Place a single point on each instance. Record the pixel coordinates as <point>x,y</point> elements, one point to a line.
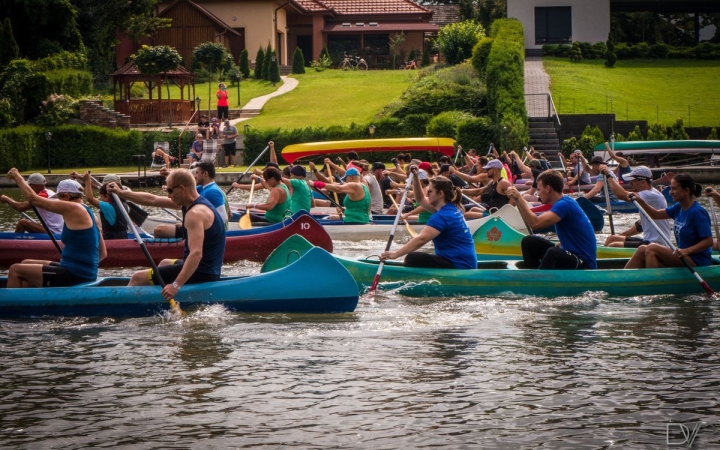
<point>245,222</point>
<point>175,308</point>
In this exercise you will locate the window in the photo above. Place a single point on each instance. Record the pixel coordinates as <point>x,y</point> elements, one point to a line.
<point>553,25</point>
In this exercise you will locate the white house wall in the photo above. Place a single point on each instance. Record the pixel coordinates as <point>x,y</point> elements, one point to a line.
<point>590,18</point>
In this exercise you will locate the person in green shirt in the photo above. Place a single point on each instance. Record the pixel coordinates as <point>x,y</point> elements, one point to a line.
<point>357,198</point>
<point>277,205</point>
<point>300,193</point>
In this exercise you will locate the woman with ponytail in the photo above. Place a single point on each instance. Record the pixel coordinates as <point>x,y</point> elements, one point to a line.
<point>693,234</point>
<point>446,228</point>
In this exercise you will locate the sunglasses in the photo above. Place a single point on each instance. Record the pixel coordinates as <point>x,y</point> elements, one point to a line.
<point>170,190</point>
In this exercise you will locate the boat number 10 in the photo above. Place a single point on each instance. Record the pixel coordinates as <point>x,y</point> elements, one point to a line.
<point>304,226</point>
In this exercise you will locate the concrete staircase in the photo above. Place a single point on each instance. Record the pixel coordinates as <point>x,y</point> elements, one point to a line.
<point>543,137</point>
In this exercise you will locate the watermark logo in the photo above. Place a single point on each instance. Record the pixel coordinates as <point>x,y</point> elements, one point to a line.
<point>679,434</point>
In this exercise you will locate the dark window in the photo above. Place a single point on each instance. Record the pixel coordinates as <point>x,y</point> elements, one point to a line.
<point>553,25</point>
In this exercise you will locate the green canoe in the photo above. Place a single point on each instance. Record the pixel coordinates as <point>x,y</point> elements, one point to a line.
<point>507,277</point>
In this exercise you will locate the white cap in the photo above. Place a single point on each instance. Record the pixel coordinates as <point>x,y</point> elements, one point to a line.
<point>68,187</point>
<point>36,178</point>
<point>639,172</point>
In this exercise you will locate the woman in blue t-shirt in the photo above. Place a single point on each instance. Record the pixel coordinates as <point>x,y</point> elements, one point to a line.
<point>454,247</point>
<point>692,229</point>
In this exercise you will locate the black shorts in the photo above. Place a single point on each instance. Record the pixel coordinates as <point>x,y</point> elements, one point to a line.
<point>169,274</point>
<point>634,242</point>
<point>55,275</point>
<point>229,149</point>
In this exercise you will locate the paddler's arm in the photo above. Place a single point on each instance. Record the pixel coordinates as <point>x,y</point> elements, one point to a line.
<point>334,167</point>
<point>614,186</point>
<point>319,176</point>
<point>194,224</point>
<point>273,156</point>
<point>712,193</point>
<point>656,214</point>
<point>534,221</point>
<point>142,198</point>
<point>426,235</point>
<point>622,162</point>
<point>87,179</point>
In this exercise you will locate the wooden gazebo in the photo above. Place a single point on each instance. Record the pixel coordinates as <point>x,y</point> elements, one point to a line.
<point>154,110</point>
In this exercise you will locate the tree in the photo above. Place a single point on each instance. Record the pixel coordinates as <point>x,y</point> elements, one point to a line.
<point>244,64</point>
<point>259,61</point>
<point>211,56</point>
<point>576,52</point>
<point>396,41</point>
<point>489,11</point>
<point>657,132</point>
<point>466,9</point>
<point>713,135</point>
<point>274,69</point>
<point>9,49</point>
<point>425,57</point>
<point>266,63</point>
<point>610,56</point>
<point>298,61</point>
<point>677,131</point>
<point>158,60</point>
<point>457,40</point>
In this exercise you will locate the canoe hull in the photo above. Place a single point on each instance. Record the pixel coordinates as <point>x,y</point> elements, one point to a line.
<point>127,253</point>
<point>505,278</point>
<point>290,293</point>
<point>293,152</point>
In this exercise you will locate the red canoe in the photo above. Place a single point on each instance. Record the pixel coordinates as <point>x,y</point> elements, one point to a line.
<point>127,253</point>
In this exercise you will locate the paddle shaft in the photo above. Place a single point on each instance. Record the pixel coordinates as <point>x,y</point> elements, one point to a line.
<point>410,230</point>
<point>714,218</point>
<point>26,216</point>
<point>473,202</point>
<point>330,176</point>
<point>332,202</point>
<point>47,230</point>
<point>669,243</point>
<point>248,168</point>
<point>376,280</point>
<point>608,205</point>
<point>245,221</point>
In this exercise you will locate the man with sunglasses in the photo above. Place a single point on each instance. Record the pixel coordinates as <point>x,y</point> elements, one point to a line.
<point>83,249</point>
<point>202,229</point>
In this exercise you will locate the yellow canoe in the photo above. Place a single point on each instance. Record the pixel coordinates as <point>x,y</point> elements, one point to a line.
<point>293,152</point>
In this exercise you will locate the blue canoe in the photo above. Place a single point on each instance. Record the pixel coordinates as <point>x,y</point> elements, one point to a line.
<point>285,290</point>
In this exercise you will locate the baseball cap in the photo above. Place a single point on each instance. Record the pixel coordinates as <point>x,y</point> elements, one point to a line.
<point>298,171</point>
<point>425,166</point>
<point>351,172</point>
<point>535,163</point>
<point>597,160</point>
<point>68,187</point>
<point>493,164</point>
<point>639,173</point>
<point>36,178</point>
<point>422,175</point>
<point>378,166</point>
<point>111,178</point>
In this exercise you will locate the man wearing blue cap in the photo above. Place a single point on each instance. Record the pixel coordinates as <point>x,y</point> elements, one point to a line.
<point>357,198</point>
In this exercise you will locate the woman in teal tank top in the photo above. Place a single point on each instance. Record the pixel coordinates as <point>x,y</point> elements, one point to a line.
<point>357,197</point>
<point>277,206</point>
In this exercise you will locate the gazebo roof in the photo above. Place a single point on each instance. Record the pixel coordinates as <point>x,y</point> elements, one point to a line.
<point>130,70</point>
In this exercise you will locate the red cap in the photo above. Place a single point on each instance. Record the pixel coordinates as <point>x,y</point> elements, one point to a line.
<point>425,166</point>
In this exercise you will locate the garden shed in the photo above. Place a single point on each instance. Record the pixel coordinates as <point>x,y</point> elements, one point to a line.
<point>156,108</point>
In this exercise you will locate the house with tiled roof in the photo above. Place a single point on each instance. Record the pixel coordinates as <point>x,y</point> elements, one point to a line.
<point>360,27</point>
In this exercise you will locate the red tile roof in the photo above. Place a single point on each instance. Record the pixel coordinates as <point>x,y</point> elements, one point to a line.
<point>311,5</point>
<point>381,26</point>
<point>374,7</point>
<point>444,14</point>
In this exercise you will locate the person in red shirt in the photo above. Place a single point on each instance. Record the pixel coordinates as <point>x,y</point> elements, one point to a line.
<point>222,104</point>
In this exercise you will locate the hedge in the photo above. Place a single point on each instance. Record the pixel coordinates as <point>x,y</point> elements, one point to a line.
<point>475,133</point>
<point>80,146</point>
<point>75,83</point>
<point>705,50</point>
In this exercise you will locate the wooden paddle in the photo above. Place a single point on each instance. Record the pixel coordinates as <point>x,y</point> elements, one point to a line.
<point>669,243</point>
<point>410,230</point>
<point>714,218</point>
<point>248,168</point>
<point>376,280</point>
<point>47,230</point>
<point>608,206</point>
<point>175,306</point>
<point>330,177</point>
<point>245,221</point>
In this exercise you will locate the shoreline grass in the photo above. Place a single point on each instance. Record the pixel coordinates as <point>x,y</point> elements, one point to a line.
<point>652,90</point>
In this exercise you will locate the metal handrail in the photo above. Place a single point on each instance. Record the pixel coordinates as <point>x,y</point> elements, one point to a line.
<point>553,109</point>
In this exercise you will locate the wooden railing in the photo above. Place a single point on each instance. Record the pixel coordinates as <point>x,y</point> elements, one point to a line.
<point>149,111</point>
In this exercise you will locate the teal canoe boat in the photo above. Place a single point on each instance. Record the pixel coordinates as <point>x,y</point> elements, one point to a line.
<point>284,290</point>
<point>509,278</point>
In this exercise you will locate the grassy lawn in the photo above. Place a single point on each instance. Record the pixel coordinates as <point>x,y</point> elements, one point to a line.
<point>334,97</point>
<point>652,90</point>
<point>249,89</point>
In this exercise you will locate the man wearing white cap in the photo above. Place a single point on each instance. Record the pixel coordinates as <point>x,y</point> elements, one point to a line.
<point>640,179</point>
<point>52,220</point>
<point>83,249</point>
<point>494,195</point>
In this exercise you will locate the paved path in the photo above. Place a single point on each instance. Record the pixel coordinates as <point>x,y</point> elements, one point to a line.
<point>537,81</point>
<point>257,103</point>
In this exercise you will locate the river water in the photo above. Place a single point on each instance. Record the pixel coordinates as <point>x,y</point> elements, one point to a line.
<point>483,372</point>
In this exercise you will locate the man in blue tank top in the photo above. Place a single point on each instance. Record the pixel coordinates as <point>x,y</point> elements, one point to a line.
<point>202,228</point>
<point>577,249</point>
<point>83,249</point>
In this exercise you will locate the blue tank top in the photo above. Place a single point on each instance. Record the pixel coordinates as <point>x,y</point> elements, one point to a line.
<point>213,243</point>
<point>81,252</point>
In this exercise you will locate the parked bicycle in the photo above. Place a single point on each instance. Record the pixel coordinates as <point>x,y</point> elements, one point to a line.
<point>353,62</point>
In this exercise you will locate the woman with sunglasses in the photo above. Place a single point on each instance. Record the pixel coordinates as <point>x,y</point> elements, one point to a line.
<point>83,249</point>
<point>446,228</point>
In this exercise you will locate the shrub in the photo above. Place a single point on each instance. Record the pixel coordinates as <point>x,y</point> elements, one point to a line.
<point>415,124</point>
<point>476,132</point>
<point>62,60</point>
<point>713,135</point>
<point>322,64</point>
<point>298,61</point>
<point>636,134</point>
<point>610,57</point>
<point>705,50</point>
<point>69,81</point>
<point>677,131</point>
<point>514,132</point>
<point>57,109</point>
<point>24,88</point>
<point>629,51</point>
<point>274,69</point>
<point>480,55</point>
<point>9,49</point>
<point>7,118</point>
<point>505,72</point>
<point>457,40</point>
<point>658,51</point>
<point>267,62</point>
<point>259,61</point>
<point>576,54</point>
<point>568,146</point>
<point>559,50</point>
<point>425,58</point>
<point>445,124</point>
<point>595,133</point>
<point>244,64</point>
<point>657,132</point>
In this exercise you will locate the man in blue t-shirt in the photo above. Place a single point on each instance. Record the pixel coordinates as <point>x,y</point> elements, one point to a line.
<point>577,249</point>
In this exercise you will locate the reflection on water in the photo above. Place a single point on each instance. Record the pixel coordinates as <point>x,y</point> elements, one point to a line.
<point>470,372</point>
